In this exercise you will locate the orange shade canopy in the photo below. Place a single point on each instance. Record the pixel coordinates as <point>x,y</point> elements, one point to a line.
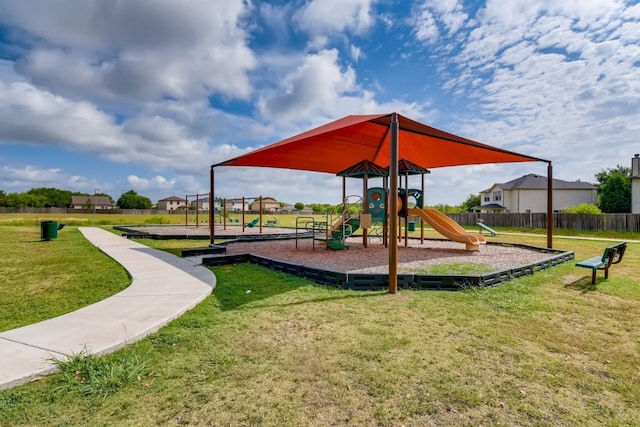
<point>340,144</point>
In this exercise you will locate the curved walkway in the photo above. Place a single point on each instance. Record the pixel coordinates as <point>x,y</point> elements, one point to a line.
<point>163,288</point>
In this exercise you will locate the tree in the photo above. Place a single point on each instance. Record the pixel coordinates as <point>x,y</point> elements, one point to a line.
<point>88,205</point>
<point>24,200</point>
<point>447,209</point>
<point>614,189</point>
<point>53,197</point>
<point>604,175</point>
<point>615,194</point>
<point>472,201</point>
<point>133,200</point>
<point>299,206</point>
<point>2,197</point>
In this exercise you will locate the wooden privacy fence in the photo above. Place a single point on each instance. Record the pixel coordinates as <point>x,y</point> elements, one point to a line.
<point>602,222</point>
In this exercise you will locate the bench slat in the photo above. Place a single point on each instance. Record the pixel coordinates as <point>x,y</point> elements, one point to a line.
<point>595,262</point>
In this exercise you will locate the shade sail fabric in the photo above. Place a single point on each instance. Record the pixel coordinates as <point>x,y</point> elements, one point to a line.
<point>338,145</point>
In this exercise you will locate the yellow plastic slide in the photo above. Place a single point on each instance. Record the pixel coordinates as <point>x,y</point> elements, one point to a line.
<point>449,228</point>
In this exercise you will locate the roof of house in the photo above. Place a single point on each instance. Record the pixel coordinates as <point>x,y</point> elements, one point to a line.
<point>267,202</point>
<point>490,206</point>
<point>96,200</point>
<point>538,182</point>
<point>172,198</point>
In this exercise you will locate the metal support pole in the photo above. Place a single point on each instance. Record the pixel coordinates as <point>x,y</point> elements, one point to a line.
<point>549,206</point>
<point>186,211</point>
<point>365,208</point>
<point>393,206</point>
<point>385,225</point>
<point>260,214</point>
<point>212,225</point>
<point>406,209</point>
<point>197,210</point>
<point>421,220</point>
<point>224,214</point>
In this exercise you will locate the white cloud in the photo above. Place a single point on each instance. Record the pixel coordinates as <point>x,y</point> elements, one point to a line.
<point>155,183</point>
<point>328,17</point>
<point>166,135</point>
<point>143,50</point>
<point>19,178</point>
<point>313,88</point>
<point>551,79</point>
<point>28,114</point>
<point>436,16</point>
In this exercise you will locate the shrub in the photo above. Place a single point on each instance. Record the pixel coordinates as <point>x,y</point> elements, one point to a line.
<point>583,209</point>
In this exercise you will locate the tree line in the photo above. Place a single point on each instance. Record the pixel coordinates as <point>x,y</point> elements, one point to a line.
<point>49,197</point>
<point>614,196</point>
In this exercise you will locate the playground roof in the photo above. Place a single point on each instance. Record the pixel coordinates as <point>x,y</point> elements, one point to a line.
<point>362,168</point>
<point>338,145</point>
<point>405,167</point>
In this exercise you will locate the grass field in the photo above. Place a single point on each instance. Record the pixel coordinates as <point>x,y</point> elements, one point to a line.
<point>44,279</point>
<point>270,349</point>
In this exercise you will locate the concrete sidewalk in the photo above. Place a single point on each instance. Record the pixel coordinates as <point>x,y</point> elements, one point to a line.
<point>163,288</point>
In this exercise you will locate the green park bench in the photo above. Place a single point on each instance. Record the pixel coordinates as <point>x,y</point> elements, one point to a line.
<point>612,255</point>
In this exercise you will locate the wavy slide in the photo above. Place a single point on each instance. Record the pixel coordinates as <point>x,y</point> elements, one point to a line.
<point>449,228</point>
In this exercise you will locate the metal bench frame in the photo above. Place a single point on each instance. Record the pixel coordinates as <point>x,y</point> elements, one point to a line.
<point>612,255</point>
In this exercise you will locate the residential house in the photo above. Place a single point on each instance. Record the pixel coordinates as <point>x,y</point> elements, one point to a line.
<point>291,209</point>
<point>232,205</point>
<point>203,204</point>
<point>91,202</point>
<point>172,203</point>
<point>268,205</point>
<point>528,194</point>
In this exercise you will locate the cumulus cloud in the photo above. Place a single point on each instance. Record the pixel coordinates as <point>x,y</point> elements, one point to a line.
<point>28,114</point>
<point>16,179</point>
<point>545,77</point>
<point>156,182</point>
<point>328,17</point>
<point>312,88</point>
<point>144,50</point>
<point>436,16</point>
<point>168,88</point>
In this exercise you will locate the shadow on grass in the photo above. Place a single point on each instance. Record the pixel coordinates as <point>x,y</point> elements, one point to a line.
<point>242,284</point>
<point>583,284</point>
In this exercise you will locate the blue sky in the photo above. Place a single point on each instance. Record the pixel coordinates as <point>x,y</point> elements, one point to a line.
<point>146,94</point>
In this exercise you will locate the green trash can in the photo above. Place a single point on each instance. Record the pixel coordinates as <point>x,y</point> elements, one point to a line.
<point>411,226</point>
<point>48,230</point>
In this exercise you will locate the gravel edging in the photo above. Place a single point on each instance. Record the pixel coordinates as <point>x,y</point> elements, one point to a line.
<point>374,258</point>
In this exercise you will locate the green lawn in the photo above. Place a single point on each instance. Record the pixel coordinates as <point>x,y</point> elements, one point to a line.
<point>44,279</point>
<point>270,349</point>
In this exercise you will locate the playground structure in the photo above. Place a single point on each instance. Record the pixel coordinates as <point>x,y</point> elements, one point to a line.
<point>375,213</point>
<point>243,216</point>
<point>198,201</point>
<point>334,230</point>
<point>383,139</point>
<point>198,206</point>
